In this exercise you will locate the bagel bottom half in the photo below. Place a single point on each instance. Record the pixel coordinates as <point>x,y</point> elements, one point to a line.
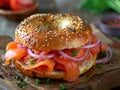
<point>87,64</point>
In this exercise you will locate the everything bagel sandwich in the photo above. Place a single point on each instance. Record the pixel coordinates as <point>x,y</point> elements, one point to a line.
<point>56,46</point>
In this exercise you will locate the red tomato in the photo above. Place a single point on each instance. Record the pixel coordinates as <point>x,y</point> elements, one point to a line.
<point>5,4</point>
<point>1,2</point>
<point>18,5</point>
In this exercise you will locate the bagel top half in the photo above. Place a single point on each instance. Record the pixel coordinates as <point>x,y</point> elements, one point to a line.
<point>53,32</point>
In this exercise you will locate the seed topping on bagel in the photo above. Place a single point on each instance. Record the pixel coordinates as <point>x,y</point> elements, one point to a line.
<point>42,29</point>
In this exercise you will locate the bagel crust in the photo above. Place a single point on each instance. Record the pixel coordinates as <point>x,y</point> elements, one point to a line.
<point>53,32</point>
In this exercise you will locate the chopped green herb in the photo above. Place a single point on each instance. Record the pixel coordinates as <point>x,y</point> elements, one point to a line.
<point>32,61</point>
<point>16,77</point>
<point>22,84</point>
<point>102,54</point>
<point>74,52</point>
<point>99,66</point>
<point>63,87</point>
<point>38,81</point>
<point>47,80</point>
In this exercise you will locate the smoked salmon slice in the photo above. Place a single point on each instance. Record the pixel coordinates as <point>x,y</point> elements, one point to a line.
<point>70,66</point>
<point>58,62</point>
<point>46,65</point>
<point>11,45</point>
<point>14,52</point>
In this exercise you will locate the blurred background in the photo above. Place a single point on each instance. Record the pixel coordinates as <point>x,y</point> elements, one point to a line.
<point>103,14</point>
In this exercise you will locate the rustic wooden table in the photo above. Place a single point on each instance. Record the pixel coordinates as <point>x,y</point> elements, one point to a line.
<point>7,27</point>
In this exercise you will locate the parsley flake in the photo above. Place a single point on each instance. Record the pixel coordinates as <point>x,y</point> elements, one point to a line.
<point>32,61</point>
<point>74,52</point>
<point>38,81</point>
<point>63,87</point>
<point>47,80</point>
<point>22,84</point>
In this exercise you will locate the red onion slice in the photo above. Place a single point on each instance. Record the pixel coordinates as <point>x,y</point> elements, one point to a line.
<point>107,58</point>
<point>76,59</point>
<point>41,55</point>
<point>49,56</point>
<point>35,55</point>
<point>72,58</point>
<point>92,45</point>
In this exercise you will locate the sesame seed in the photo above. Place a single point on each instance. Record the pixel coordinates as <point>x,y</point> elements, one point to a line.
<point>43,45</point>
<point>46,40</point>
<point>69,36</point>
<point>50,38</point>
<point>55,35</point>
<point>47,44</point>
<point>62,37</point>
<point>46,36</point>
<point>50,31</point>
<point>31,27</point>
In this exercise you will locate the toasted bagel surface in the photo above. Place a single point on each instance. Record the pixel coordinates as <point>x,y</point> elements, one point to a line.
<point>53,32</point>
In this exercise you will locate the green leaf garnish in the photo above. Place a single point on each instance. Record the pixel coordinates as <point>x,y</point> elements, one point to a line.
<point>22,84</point>
<point>114,4</point>
<point>94,6</point>
<point>38,81</point>
<point>98,6</point>
<point>63,87</point>
<point>74,52</point>
<point>32,61</point>
<point>47,80</point>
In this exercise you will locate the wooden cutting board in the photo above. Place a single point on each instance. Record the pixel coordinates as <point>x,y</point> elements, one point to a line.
<point>100,77</point>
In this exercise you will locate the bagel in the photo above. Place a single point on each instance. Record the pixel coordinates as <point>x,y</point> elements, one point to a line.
<point>40,30</point>
<point>52,46</point>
